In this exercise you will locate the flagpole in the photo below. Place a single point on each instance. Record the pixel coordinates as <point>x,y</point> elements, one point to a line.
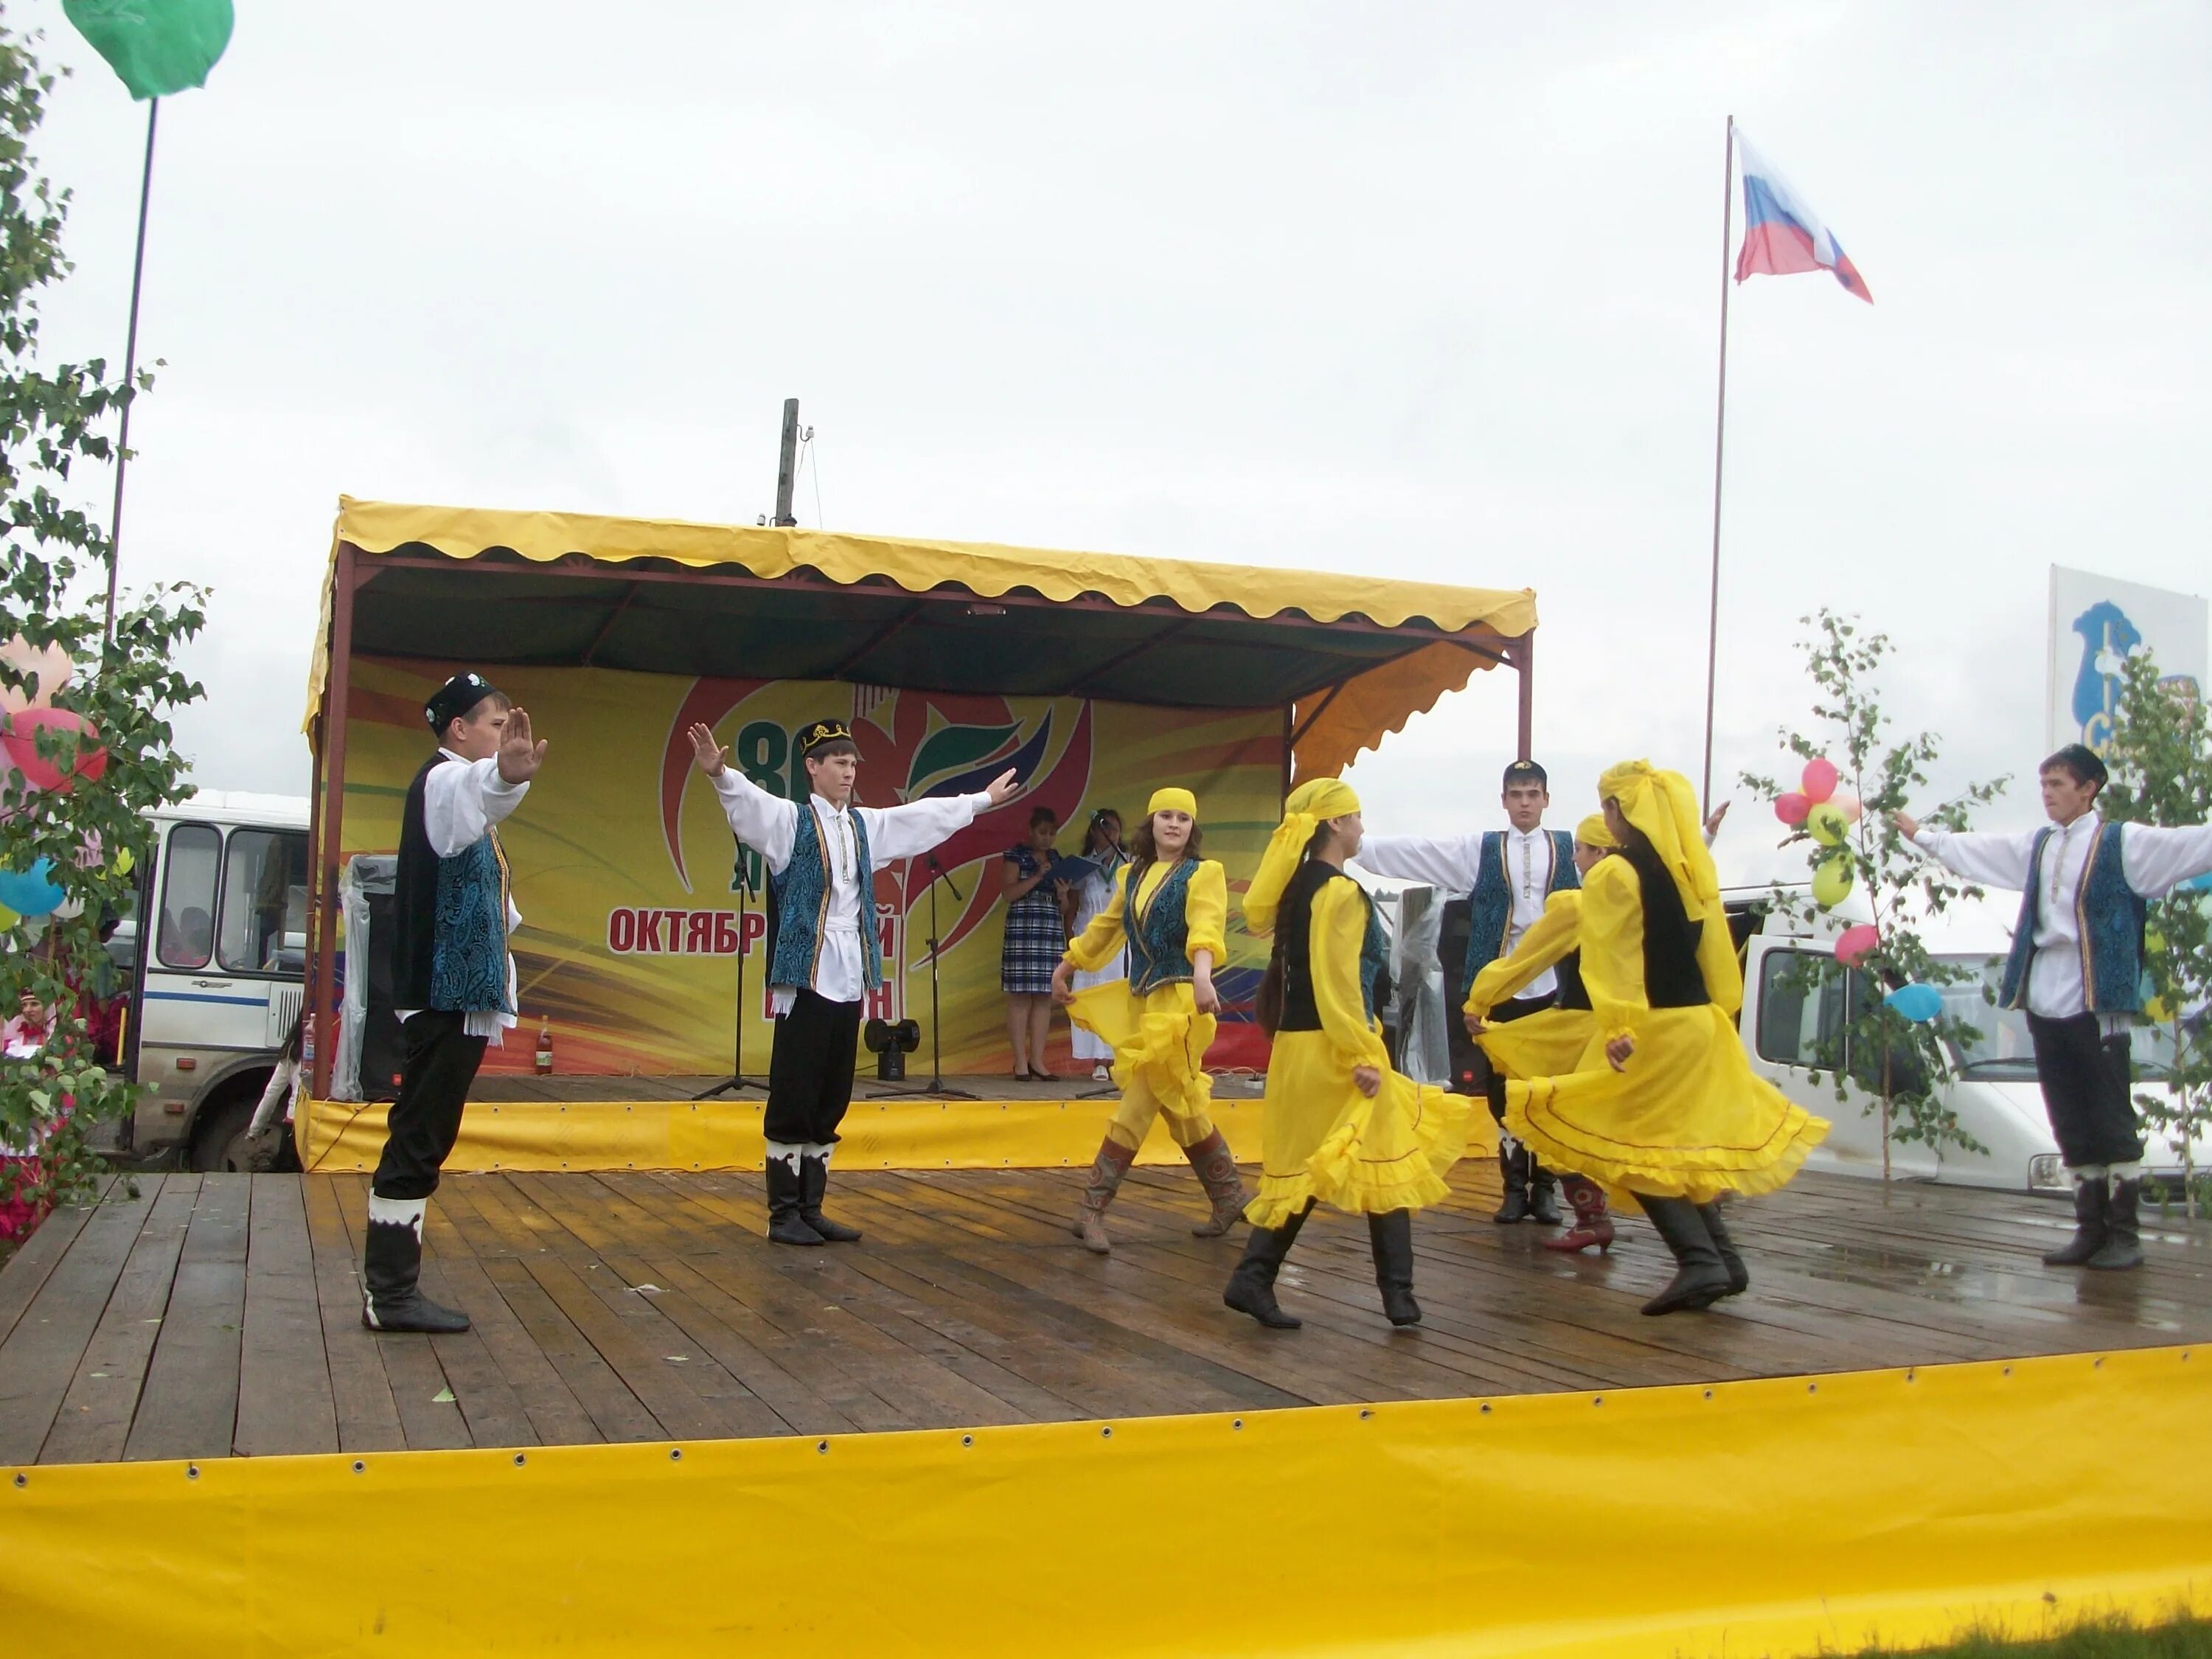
<point>1720,434</point>
<point>130,369</point>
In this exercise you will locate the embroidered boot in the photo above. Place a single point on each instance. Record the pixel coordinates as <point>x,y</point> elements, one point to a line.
<point>2091,1191</point>
<point>391,1266</point>
<point>1391,1238</point>
<point>1251,1288</point>
<point>1215,1166</point>
<point>785,1190</point>
<point>2123,1245</point>
<point>1593,1225</point>
<point>1701,1278</point>
<point>1107,1169</point>
<point>813,1182</point>
<point>1513,1171</point>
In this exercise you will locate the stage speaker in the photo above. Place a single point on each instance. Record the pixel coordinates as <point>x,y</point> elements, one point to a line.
<point>890,1044</point>
<point>382,1053</point>
<point>1470,1066</point>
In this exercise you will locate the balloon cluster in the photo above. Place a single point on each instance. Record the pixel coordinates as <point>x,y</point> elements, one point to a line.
<point>23,715</point>
<point>1825,813</point>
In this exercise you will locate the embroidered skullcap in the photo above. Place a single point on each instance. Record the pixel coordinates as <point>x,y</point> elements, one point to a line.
<point>2087,765</point>
<point>1172,799</point>
<point>1527,771</point>
<point>457,699</point>
<point>1593,832</point>
<point>818,737</point>
<point>1309,803</point>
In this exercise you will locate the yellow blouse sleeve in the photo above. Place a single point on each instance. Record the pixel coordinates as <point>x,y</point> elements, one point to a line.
<point>1613,947</point>
<point>1339,928</point>
<point>1555,933</point>
<point>1095,945</point>
<point>1205,911</point>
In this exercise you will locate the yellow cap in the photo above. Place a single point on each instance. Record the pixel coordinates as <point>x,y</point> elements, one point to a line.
<point>1172,799</point>
<point>1592,831</point>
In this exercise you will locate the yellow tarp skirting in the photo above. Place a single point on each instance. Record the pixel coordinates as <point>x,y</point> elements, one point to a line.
<point>1786,1516</point>
<point>1378,701</point>
<point>722,1134</point>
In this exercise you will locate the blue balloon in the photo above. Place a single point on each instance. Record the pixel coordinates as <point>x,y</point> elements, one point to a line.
<point>1918,1003</point>
<point>30,893</point>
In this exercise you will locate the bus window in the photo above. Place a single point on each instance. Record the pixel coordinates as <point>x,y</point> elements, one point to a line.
<point>264,902</point>
<point>188,896</point>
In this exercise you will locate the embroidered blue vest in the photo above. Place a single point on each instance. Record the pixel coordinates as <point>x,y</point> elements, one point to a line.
<point>1490,905</point>
<point>2108,914</point>
<point>801,911</point>
<point>1159,939</point>
<point>468,959</point>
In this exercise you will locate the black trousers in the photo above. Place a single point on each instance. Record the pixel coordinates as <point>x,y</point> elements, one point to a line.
<point>2087,1082</point>
<point>441,1061</point>
<point>810,1071</point>
<point>1493,1087</point>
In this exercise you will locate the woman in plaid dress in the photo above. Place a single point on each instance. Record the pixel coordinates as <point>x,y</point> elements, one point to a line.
<point>1036,936</point>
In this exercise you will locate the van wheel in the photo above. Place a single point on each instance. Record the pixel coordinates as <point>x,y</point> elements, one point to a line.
<point>219,1141</point>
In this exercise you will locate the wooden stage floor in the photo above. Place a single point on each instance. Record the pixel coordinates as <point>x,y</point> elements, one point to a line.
<point>210,1315</point>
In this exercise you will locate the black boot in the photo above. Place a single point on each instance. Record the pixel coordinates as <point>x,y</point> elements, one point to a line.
<point>1251,1288</point>
<point>1391,1238</point>
<point>391,1265</point>
<point>1738,1275</point>
<point>1513,1171</point>
<point>813,1182</point>
<point>1700,1278</point>
<point>2091,1194</point>
<point>2123,1245</point>
<point>785,1191</point>
<point>1543,1196</point>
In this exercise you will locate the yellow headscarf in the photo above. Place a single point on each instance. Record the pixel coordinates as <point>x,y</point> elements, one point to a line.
<point>1309,803</point>
<point>1172,799</point>
<point>1664,806</point>
<point>1592,831</point>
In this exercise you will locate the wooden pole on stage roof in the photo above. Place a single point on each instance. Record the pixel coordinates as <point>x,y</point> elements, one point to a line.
<point>786,466</point>
<point>1720,431</point>
<point>1524,664</point>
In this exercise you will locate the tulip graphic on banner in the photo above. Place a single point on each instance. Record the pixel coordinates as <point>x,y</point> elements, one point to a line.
<point>156,47</point>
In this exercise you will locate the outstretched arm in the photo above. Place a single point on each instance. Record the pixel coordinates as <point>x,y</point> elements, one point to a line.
<point>1446,861</point>
<point>2158,860</point>
<point>767,823</point>
<point>909,831</point>
<point>1993,860</point>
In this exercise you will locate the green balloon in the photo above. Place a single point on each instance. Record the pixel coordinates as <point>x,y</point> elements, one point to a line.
<point>156,46</point>
<point>1832,883</point>
<point>1827,825</point>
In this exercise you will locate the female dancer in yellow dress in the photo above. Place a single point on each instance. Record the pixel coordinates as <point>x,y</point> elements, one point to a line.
<point>1340,1125</point>
<point>1172,908</point>
<point>1551,1040</point>
<point>1663,1105</point>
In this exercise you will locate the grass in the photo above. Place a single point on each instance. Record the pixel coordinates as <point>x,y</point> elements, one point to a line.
<point>2189,1639</point>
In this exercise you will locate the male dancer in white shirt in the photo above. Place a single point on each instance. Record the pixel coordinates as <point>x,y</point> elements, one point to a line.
<point>824,953</point>
<point>2076,968</point>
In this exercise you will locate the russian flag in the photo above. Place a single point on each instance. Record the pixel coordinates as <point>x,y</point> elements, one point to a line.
<point>1781,235</point>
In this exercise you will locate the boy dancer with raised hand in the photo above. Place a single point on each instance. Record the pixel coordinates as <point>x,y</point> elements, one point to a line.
<point>452,978</point>
<point>2076,968</point>
<point>824,954</point>
<point>1507,875</point>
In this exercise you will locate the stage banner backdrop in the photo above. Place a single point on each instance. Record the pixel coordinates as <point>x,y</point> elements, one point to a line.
<point>635,902</point>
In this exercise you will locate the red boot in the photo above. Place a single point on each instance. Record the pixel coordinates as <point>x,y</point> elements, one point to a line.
<point>1593,1225</point>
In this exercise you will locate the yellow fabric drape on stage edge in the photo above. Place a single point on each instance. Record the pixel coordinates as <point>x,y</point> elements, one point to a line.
<point>1364,710</point>
<point>904,1133</point>
<point>1783,1517</point>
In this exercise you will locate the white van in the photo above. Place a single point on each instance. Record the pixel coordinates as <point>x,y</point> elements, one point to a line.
<point>1794,999</point>
<point>217,954</point>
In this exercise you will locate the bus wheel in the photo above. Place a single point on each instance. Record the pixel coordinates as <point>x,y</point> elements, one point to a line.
<point>219,1138</point>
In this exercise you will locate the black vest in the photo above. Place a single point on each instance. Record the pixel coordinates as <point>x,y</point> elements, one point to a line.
<point>1671,978</point>
<point>1573,994</point>
<point>1294,927</point>
<point>415,901</point>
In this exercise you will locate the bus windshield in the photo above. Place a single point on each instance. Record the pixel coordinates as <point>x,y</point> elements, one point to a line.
<point>2000,1049</point>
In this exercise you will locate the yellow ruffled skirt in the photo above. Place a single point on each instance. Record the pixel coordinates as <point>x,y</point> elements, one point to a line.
<point>1687,1119</point>
<point>1321,1138</point>
<point>1546,1043</point>
<point>1159,1042</point>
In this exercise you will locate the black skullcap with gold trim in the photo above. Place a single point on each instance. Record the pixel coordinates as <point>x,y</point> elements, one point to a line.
<point>457,699</point>
<point>823,733</point>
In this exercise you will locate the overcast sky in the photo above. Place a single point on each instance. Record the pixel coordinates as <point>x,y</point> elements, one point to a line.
<point>1427,291</point>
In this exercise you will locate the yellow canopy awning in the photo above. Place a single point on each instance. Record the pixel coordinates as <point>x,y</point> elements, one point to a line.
<point>1351,657</point>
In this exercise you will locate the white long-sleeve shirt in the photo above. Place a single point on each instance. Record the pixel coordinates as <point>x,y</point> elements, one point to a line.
<point>1451,862</point>
<point>461,799</point>
<point>2154,861</point>
<point>769,825</point>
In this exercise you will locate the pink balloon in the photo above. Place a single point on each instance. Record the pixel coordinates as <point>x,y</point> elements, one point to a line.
<point>20,739</point>
<point>1791,808</point>
<point>1853,943</point>
<point>1848,804</point>
<point>1818,781</point>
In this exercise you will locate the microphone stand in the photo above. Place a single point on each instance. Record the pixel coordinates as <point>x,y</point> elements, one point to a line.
<point>737,1078</point>
<point>936,1085</point>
